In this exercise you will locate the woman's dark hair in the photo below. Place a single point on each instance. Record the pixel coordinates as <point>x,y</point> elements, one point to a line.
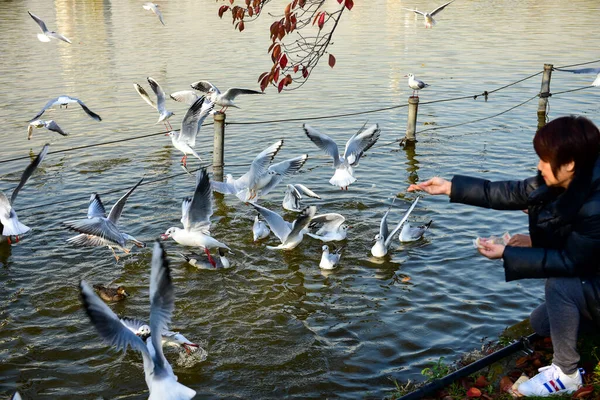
<point>566,139</point>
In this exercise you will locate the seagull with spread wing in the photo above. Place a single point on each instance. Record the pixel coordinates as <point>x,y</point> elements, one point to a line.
<point>9,222</point>
<point>160,106</point>
<point>154,8</point>
<point>170,338</point>
<point>428,16</point>
<point>225,100</point>
<point>360,142</point>
<point>65,100</point>
<point>289,233</point>
<point>329,227</point>
<point>293,195</point>
<point>46,34</point>
<point>384,238</point>
<point>40,123</point>
<point>99,230</point>
<point>584,71</point>
<point>160,379</point>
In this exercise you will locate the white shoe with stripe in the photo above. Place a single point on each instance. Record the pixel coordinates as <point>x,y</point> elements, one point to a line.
<point>550,381</point>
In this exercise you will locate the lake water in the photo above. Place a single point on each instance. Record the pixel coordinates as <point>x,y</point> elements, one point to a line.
<point>273,325</point>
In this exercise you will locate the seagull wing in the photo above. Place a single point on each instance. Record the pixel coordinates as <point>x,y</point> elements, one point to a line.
<point>86,240</point>
<point>108,324</point>
<point>262,160</point>
<point>280,170</point>
<point>327,222</point>
<point>49,104</point>
<point>581,70</point>
<point>383,228</point>
<point>142,92</point>
<point>117,209</point>
<point>232,93</point>
<point>389,238</point>
<point>195,115</point>
<point>223,187</point>
<point>57,35</point>
<point>88,111</point>
<point>29,171</point>
<point>440,8</point>
<point>201,208</point>
<point>415,11</point>
<point>301,188</point>
<point>323,142</point>
<point>278,225</point>
<point>204,86</point>
<point>132,324</point>
<point>39,21</point>
<point>156,11</point>
<point>96,208</point>
<point>160,95</point>
<point>361,142</point>
<point>53,126</point>
<point>303,220</point>
<point>188,97</point>
<point>97,226</point>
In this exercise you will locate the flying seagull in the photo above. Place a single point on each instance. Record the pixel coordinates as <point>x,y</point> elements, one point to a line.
<point>289,233</point>
<point>163,113</point>
<point>9,222</point>
<point>160,379</point>
<point>428,16</point>
<point>46,35</point>
<point>225,100</point>
<point>65,100</point>
<point>154,8</point>
<point>585,71</point>
<point>50,125</point>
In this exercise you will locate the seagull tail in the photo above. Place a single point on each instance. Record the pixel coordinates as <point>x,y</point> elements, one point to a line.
<point>342,178</point>
<point>12,227</point>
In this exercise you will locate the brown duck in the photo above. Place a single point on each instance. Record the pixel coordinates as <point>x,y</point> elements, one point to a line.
<point>111,294</point>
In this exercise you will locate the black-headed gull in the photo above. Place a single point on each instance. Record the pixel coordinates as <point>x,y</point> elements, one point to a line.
<point>329,227</point>
<point>99,230</point>
<point>293,195</point>
<point>65,100</point>
<point>50,125</point>
<point>585,71</point>
<point>110,293</point>
<point>162,382</point>
<point>260,230</point>
<point>262,176</point>
<point>196,212</point>
<point>411,233</point>
<point>46,35</point>
<point>202,261</point>
<point>415,84</point>
<point>160,106</point>
<point>428,16</point>
<point>9,222</point>
<point>169,338</point>
<point>185,139</point>
<point>290,234</point>
<point>330,260</point>
<point>360,142</point>
<point>154,8</point>
<point>225,100</point>
<point>384,238</point>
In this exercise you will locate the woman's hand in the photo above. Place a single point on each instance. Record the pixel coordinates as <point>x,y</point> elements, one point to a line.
<point>435,185</point>
<point>520,240</point>
<point>490,250</point>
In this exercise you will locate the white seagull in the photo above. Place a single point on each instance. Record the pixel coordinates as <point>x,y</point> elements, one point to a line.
<point>585,71</point>
<point>225,100</point>
<point>170,338</point>
<point>360,142</point>
<point>50,125</point>
<point>293,195</point>
<point>16,396</point>
<point>99,230</point>
<point>428,16</point>
<point>384,238</point>
<point>185,139</point>
<point>46,35</point>
<point>330,260</point>
<point>65,100</point>
<point>154,8</point>
<point>290,234</point>
<point>330,227</point>
<point>160,106</point>
<point>9,222</point>
<point>196,212</point>
<point>262,176</point>
<point>260,230</point>
<point>209,262</point>
<point>415,84</point>
<point>411,234</point>
<point>162,382</point>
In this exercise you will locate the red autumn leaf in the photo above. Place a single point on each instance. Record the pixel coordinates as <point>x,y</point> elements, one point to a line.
<point>260,78</point>
<point>340,1</point>
<point>331,60</point>
<point>302,3</point>
<point>276,52</point>
<point>250,11</point>
<point>295,68</point>
<point>241,26</point>
<point>288,10</point>
<point>283,61</point>
<point>248,3</point>
<point>304,72</point>
<point>276,75</point>
<point>264,83</point>
<point>222,10</point>
<point>321,20</point>
<point>505,384</point>
<point>288,79</point>
<point>583,392</point>
<point>473,393</point>
<point>294,4</point>
<point>280,86</point>
<point>231,1</point>
<point>349,4</point>
<point>481,382</point>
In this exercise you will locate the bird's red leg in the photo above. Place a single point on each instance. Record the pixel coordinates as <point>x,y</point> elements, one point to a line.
<point>210,259</point>
<point>8,240</point>
<point>17,241</point>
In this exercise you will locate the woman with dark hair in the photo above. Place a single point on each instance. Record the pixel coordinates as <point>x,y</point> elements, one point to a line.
<point>563,245</point>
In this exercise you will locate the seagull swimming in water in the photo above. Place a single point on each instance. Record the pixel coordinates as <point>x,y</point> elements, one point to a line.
<point>330,227</point>
<point>415,84</point>
<point>260,230</point>
<point>65,100</point>
<point>50,125</point>
<point>225,100</point>
<point>200,262</point>
<point>46,35</point>
<point>428,16</point>
<point>384,238</point>
<point>360,142</point>
<point>99,230</point>
<point>293,195</point>
<point>9,222</point>
<point>412,234</point>
<point>330,260</point>
<point>154,8</point>
<point>160,379</point>
<point>289,233</point>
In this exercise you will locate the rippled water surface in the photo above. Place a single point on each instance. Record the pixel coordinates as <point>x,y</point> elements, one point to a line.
<point>273,325</point>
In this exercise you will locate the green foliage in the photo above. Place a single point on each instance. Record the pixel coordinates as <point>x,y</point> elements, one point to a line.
<point>439,370</point>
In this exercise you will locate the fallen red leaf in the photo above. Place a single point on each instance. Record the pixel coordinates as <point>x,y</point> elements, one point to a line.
<point>481,382</point>
<point>473,393</point>
<point>506,384</point>
<point>583,392</point>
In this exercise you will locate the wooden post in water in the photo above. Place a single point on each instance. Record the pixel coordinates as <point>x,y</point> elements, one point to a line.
<point>544,94</point>
<point>411,123</point>
<point>218,146</point>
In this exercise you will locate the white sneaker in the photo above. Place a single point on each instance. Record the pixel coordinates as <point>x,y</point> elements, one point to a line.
<point>550,381</point>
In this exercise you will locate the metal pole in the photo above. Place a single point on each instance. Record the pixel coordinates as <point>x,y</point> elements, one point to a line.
<point>218,146</point>
<point>411,123</point>
<point>544,91</point>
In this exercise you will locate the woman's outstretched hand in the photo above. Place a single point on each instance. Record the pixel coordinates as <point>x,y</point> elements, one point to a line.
<point>490,250</point>
<point>435,185</point>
